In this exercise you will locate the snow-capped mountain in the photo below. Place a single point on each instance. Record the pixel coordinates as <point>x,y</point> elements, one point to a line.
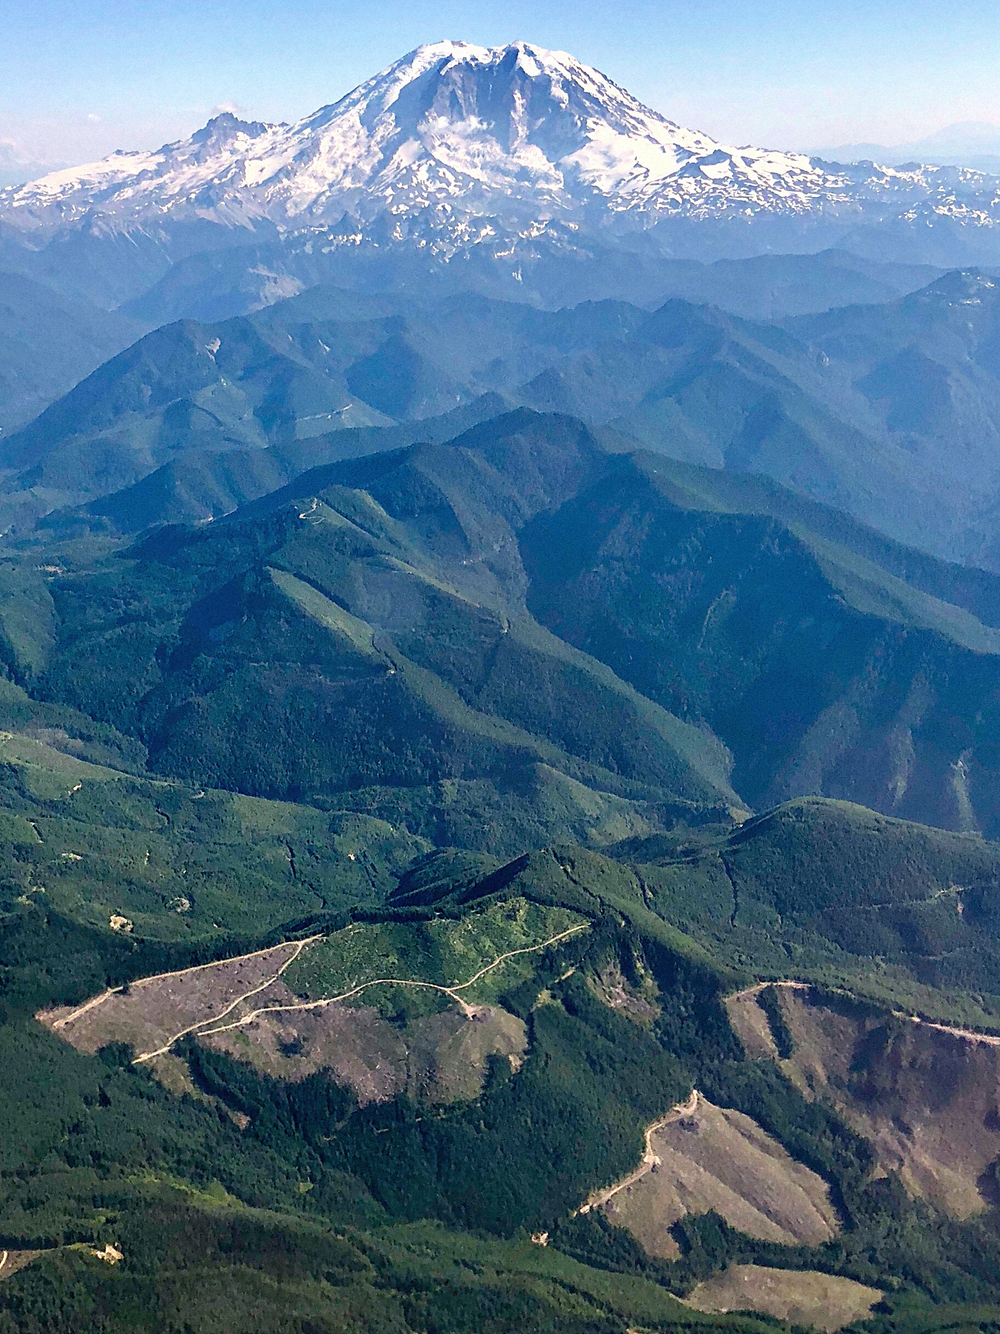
<point>516,131</point>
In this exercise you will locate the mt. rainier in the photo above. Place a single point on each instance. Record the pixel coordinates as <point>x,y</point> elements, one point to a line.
<point>514,130</point>
<point>510,170</point>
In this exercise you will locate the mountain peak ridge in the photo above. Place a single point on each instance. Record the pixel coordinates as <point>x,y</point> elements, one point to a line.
<point>518,127</point>
<point>454,131</point>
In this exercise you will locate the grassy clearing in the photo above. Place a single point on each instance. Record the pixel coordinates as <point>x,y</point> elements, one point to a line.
<point>444,951</point>
<point>800,1296</point>
<point>421,1248</point>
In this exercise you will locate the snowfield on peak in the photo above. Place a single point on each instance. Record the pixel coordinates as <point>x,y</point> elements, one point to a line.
<point>451,130</point>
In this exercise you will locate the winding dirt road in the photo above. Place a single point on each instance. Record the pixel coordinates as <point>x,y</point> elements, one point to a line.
<point>212,1024</point>
<point>162,977</point>
<point>299,946</point>
<point>970,1034</point>
<point>650,1158</point>
<point>990,1039</point>
<point>451,991</point>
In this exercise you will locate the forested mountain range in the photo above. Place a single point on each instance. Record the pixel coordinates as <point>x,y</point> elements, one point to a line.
<point>641,730</point>
<point>890,411</point>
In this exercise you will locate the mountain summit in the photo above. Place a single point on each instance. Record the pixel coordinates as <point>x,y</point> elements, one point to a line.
<point>519,122</point>
<point>518,131</point>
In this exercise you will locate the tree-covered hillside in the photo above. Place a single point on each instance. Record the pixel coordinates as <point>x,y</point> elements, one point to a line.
<point>526,613</point>
<point>887,410</point>
<point>293,1195</point>
<point>460,862</point>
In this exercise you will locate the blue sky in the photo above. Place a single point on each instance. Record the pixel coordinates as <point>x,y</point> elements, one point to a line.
<point>81,77</point>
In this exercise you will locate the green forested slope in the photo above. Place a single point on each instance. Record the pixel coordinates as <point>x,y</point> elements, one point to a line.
<point>47,343</point>
<point>831,891</point>
<point>889,412</point>
<point>386,704</point>
<point>168,643</point>
<point>297,1216</point>
<point>822,673</point>
<point>428,584</point>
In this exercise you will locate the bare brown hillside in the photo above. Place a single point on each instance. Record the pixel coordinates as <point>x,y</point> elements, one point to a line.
<point>438,1057</point>
<point>153,1010</point>
<point>926,1096</point>
<point>802,1297</point>
<point>243,1006</point>
<point>717,1158</point>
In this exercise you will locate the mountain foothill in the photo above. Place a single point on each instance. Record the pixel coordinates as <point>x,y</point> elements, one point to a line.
<point>499,726</point>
